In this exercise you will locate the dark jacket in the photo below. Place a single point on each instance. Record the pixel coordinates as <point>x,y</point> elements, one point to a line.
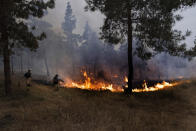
<point>27,75</point>
<point>56,80</point>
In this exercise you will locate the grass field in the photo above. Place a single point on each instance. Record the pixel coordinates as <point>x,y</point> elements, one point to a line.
<point>43,109</point>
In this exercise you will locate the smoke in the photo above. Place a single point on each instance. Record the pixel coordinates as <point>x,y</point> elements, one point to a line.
<point>101,60</point>
<point>56,16</point>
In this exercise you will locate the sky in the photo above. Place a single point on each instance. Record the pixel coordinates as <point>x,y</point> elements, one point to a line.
<point>188,22</point>
<point>95,19</point>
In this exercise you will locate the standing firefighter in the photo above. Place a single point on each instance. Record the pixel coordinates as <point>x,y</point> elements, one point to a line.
<point>27,75</point>
<point>56,82</point>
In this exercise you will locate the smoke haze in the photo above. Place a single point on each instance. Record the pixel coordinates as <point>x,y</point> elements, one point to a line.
<point>55,55</point>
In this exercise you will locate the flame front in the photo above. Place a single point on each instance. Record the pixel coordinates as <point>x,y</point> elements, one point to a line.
<point>93,85</point>
<point>90,84</point>
<point>159,86</point>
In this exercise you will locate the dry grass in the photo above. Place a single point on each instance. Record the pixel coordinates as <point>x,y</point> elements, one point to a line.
<point>43,109</point>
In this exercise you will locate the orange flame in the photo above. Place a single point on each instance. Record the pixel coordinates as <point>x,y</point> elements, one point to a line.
<point>126,79</point>
<point>159,86</point>
<point>89,84</point>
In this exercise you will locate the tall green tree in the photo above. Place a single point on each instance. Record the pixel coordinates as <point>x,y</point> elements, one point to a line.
<point>14,30</point>
<point>148,22</point>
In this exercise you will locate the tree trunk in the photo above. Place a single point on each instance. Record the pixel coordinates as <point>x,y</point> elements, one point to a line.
<point>28,62</point>
<point>166,65</point>
<point>5,5</point>
<point>12,64</point>
<point>130,54</point>
<point>7,71</point>
<point>21,63</point>
<point>47,68</point>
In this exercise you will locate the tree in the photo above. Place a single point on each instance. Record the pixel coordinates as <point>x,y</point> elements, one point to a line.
<point>90,50</point>
<point>41,52</point>
<point>69,25</point>
<point>87,32</point>
<point>192,52</point>
<point>14,30</point>
<point>70,21</point>
<point>148,22</point>
<point>72,39</point>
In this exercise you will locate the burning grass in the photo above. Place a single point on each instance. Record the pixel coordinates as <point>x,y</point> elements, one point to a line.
<point>43,109</point>
<point>89,83</point>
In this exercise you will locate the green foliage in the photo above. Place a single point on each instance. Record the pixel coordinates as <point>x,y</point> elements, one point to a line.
<point>14,27</point>
<point>192,52</point>
<point>152,24</point>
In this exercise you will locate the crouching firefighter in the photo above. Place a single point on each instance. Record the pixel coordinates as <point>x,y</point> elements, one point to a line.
<point>28,77</point>
<point>56,82</point>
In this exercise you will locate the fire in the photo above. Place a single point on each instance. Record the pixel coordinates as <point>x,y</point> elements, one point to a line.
<point>126,79</point>
<point>90,84</point>
<point>159,86</point>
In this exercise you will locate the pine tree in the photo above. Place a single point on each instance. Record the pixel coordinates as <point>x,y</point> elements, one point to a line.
<point>87,32</point>
<point>15,32</point>
<point>148,21</point>
<point>70,21</point>
<point>72,39</point>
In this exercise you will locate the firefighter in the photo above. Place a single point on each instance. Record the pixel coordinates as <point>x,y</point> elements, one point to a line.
<point>56,82</point>
<point>28,77</point>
